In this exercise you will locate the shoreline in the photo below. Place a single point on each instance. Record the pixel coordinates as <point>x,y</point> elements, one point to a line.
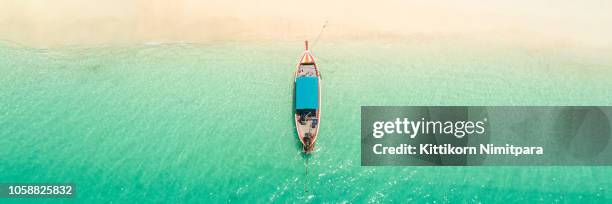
<point>442,41</point>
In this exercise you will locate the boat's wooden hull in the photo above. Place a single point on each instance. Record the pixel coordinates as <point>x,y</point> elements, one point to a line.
<point>308,144</point>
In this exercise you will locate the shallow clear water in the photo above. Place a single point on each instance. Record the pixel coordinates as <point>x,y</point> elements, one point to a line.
<point>212,122</point>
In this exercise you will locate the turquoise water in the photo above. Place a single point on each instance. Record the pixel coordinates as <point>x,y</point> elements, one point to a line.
<point>212,122</point>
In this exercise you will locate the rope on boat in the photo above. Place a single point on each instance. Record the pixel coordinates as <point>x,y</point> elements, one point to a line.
<point>319,36</point>
<point>316,40</point>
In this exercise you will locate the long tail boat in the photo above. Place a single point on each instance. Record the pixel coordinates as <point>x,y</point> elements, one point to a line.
<point>307,100</point>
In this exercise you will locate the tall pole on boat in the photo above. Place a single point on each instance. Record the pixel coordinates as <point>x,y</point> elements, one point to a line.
<point>306,44</point>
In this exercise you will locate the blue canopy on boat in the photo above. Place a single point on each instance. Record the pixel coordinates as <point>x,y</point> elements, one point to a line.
<point>306,93</point>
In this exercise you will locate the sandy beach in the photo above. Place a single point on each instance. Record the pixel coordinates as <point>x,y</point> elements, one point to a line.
<point>67,22</point>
